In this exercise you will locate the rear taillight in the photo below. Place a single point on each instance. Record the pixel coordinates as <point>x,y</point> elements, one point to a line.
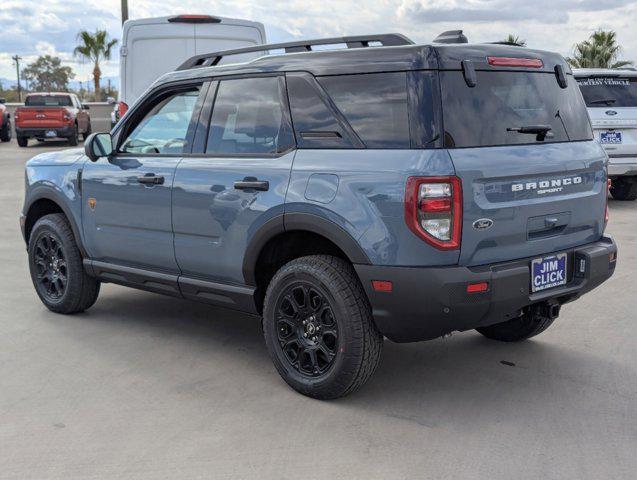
<point>194,19</point>
<point>607,213</point>
<point>433,210</point>
<point>515,62</point>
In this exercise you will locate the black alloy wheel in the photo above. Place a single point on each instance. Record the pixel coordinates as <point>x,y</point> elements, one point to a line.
<point>51,267</point>
<point>307,329</point>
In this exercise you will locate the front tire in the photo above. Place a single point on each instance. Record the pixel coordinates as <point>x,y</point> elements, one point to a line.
<point>23,141</point>
<point>87,132</point>
<point>74,138</point>
<point>624,189</point>
<point>57,272</point>
<point>318,327</point>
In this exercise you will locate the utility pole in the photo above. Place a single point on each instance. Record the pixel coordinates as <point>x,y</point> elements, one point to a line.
<point>124,11</point>
<point>17,59</point>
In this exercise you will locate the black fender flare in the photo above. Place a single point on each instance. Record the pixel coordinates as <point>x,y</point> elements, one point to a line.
<point>48,194</point>
<point>299,221</point>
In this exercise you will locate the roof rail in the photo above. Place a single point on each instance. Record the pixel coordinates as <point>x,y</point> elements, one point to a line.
<point>359,41</point>
<point>451,36</point>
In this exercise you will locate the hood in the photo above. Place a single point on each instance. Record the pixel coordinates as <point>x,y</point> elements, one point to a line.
<point>63,157</point>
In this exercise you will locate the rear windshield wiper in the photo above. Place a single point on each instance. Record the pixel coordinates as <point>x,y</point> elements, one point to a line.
<point>542,131</point>
<point>607,101</point>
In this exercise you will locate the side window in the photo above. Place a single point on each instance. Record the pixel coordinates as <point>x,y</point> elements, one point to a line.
<point>248,117</point>
<point>375,105</point>
<point>314,122</point>
<point>163,129</point>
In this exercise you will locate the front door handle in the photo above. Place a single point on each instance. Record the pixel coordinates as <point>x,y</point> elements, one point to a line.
<point>251,183</point>
<point>151,179</point>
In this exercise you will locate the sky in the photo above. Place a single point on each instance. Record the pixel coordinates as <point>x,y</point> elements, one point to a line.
<point>35,27</point>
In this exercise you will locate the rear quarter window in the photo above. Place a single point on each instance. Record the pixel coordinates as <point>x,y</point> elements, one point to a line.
<point>375,105</point>
<point>481,116</point>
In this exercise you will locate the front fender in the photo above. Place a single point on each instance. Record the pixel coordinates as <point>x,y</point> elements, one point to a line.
<point>57,185</point>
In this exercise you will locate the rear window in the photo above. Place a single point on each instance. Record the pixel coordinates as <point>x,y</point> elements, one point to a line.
<point>609,91</point>
<point>485,114</point>
<point>375,105</point>
<point>48,101</point>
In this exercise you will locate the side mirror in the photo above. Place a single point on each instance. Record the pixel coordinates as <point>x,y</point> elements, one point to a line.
<point>98,145</point>
<point>85,107</point>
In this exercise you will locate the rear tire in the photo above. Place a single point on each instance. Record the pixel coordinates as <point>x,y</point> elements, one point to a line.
<point>23,141</point>
<point>57,272</point>
<point>529,325</point>
<point>5,131</point>
<point>74,138</point>
<point>342,348</point>
<point>624,189</point>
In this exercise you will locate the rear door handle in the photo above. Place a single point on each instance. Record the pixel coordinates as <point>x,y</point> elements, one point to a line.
<point>151,179</point>
<point>251,183</point>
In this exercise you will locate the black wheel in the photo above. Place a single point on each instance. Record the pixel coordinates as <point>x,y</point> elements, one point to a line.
<point>23,141</point>
<point>624,188</point>
<point>74,138</point>
<point>55,263</point>
<point>528,325</point>
<point>319,329</point>
<point>87,132</point>
<point>5,131</point>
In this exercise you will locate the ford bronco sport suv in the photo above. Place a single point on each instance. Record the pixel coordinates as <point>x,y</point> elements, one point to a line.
<point>381,190</point>
<point>611,98</point>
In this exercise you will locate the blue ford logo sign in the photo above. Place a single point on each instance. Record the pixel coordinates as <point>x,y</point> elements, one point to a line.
<point>611,112</point>
<point>482,223</point>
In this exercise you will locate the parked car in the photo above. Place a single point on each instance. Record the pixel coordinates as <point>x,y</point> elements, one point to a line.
<point>52,115</point>
<point>5,122</point>
<point>153,46</point>
<point>611,98</point>
<point>346,195</point>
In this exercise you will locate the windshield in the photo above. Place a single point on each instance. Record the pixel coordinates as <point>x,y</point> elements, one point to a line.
<point>609,91</point>
<point>510,108</point>
<point>48,101</point>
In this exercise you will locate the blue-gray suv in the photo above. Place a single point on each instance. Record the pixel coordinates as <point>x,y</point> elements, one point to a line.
<point>384,189</point>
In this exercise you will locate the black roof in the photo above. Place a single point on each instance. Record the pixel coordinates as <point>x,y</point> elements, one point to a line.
<point>373,59</point>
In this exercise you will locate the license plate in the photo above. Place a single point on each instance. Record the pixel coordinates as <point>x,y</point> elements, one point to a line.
<point>51,133</point>
<point>610,138</point>
<point>548,272</point>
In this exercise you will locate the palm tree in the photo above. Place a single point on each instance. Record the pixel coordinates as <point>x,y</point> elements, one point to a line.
<point>514,40</point>
<point>95,48</point>
<point>599,51</point>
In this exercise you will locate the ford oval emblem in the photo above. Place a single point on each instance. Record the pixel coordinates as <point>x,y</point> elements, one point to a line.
<point>611,112</point>
<point>483,223</point>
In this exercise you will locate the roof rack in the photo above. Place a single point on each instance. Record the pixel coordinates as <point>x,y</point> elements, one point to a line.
<point>359,41</point>
<point>451,36</point>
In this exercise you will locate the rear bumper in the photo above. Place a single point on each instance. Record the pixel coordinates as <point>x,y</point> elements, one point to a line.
<point>62,132</point>
<point>620,165</point>
<point>426,303</point>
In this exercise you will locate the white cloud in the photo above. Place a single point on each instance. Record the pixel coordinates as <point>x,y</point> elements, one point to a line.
<point>30,27</point>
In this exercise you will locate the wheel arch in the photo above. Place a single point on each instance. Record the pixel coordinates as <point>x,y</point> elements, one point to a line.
<point>286,237</point>
<point>45,204</point>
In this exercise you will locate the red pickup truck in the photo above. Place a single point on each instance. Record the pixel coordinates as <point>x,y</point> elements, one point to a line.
<point>52,115</point>
<point>5,123</point>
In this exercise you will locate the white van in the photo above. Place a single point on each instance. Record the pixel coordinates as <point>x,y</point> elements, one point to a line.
<point>153,46</point>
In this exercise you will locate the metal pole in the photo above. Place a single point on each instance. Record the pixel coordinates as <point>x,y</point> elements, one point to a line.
<point>17,59</point>
<point>124,11</point>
